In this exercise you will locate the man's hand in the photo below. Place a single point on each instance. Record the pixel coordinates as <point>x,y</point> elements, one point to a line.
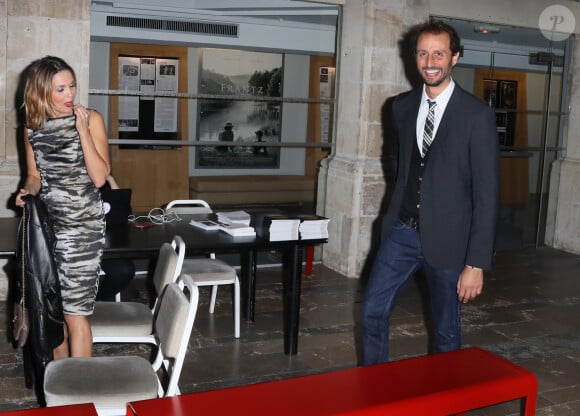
<point>470,284</point>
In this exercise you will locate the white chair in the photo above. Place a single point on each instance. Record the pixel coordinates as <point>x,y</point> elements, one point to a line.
<point>132,322</point>
<point>188,206</point>
<point>208,271</point>
<point>113,381</point>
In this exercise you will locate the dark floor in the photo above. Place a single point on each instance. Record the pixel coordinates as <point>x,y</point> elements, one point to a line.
<point>529,313</point>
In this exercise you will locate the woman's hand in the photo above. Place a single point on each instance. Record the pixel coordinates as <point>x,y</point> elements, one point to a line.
<point>94,142</point>
<point>21,193</point>
<point>82,118</point>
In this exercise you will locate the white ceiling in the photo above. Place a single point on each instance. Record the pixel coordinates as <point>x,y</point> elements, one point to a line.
<point>505,47</point>
<point>286,10</point>
<point>281,25</point>
<point>507,35</point>
<point>291,26</point>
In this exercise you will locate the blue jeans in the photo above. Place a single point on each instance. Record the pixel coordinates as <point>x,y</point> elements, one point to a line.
<point>399,257</point>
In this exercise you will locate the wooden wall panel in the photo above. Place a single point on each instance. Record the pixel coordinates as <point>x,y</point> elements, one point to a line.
<point>156,176</point>
<point>514,185</point>
<point>315,154</point>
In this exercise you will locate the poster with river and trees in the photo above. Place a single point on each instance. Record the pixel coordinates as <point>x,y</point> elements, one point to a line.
<point>235,124</point>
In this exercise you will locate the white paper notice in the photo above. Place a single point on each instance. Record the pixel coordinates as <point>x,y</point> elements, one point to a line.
<point>326,78</point>
<point>147,77</point>
<point>128,106</point>
<point>166,71</point>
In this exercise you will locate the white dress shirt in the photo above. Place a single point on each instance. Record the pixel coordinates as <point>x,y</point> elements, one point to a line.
<point>442,100</point>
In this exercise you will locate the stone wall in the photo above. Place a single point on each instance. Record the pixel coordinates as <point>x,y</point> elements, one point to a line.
<point>567,195</point>
<point>352,178</point>
<point>368,75</point>
<point>30,29</point>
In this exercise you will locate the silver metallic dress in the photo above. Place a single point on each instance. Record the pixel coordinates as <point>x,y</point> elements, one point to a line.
<point>76,210</point>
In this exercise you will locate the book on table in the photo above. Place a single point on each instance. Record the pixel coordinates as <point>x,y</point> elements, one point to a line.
<point>313,227</point>
<point>238,230</point>
<point>207,225</point>
<point>281,227</point>
<point>235,223</point>
<point>234,217</point>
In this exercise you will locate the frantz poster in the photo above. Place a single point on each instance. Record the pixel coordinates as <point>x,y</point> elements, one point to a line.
<point>237,123</point>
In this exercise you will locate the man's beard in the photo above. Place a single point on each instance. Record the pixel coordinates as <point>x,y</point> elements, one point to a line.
<point>444,76</point>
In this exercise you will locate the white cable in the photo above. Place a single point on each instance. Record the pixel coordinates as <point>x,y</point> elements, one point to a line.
<point>156,216</point>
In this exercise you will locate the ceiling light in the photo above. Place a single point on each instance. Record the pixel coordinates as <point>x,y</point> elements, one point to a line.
<point>486,30</point>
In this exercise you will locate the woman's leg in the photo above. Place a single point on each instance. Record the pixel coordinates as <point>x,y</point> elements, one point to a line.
<point>80,336</point>
<point>62,350</point>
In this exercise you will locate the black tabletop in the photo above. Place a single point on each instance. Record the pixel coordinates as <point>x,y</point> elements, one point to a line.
<point>129,241</point>
<point>132,242</point>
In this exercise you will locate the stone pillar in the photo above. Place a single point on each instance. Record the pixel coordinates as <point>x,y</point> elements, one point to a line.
<point>370,70</point>
<point>8,160</point>
<point>30,29</point>
<point>567,221</point>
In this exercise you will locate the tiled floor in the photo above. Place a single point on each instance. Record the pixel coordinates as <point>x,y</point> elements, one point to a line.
<point>529,313</point>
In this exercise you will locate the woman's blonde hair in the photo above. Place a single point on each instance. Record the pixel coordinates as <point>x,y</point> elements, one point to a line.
<point>38,89</point>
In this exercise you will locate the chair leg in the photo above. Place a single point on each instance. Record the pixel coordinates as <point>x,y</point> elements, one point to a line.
<point>213,297</point>
<point>236,308</point>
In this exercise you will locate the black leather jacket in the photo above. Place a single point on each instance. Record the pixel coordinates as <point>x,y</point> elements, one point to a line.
<point>43,298</point>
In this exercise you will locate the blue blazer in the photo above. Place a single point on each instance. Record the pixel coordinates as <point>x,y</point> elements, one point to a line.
<point>460,187</point>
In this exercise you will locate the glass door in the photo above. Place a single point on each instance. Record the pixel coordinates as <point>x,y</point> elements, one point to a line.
<point>521,75</point>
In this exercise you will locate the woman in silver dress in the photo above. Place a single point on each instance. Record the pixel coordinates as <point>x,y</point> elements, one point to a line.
<point>67,161</point>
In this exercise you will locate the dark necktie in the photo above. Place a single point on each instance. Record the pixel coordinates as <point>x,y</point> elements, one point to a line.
<point>429,126</point>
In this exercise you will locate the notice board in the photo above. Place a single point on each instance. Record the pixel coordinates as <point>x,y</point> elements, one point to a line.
<point>148,116</point>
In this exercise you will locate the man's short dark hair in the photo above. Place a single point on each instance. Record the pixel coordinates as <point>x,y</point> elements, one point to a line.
<point>436,27</point>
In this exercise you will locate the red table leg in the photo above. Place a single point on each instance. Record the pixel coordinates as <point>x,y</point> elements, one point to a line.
<point>309,260</point>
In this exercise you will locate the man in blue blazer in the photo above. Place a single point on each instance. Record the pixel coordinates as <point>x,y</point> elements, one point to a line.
<point>443,211</point>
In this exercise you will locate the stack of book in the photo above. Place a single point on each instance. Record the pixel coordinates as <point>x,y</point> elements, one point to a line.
<point>281,227</point>
<point>207,225</point>
<point>313,227</point>
<point>234,217</point>
<point>236,223</point>
<point>238,230</point>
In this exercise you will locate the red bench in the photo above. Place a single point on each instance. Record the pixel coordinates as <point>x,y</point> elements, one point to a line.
<point>439,384</point>
<point>86,409</point>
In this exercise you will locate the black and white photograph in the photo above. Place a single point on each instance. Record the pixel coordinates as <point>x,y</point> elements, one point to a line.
<point>239,124</point>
